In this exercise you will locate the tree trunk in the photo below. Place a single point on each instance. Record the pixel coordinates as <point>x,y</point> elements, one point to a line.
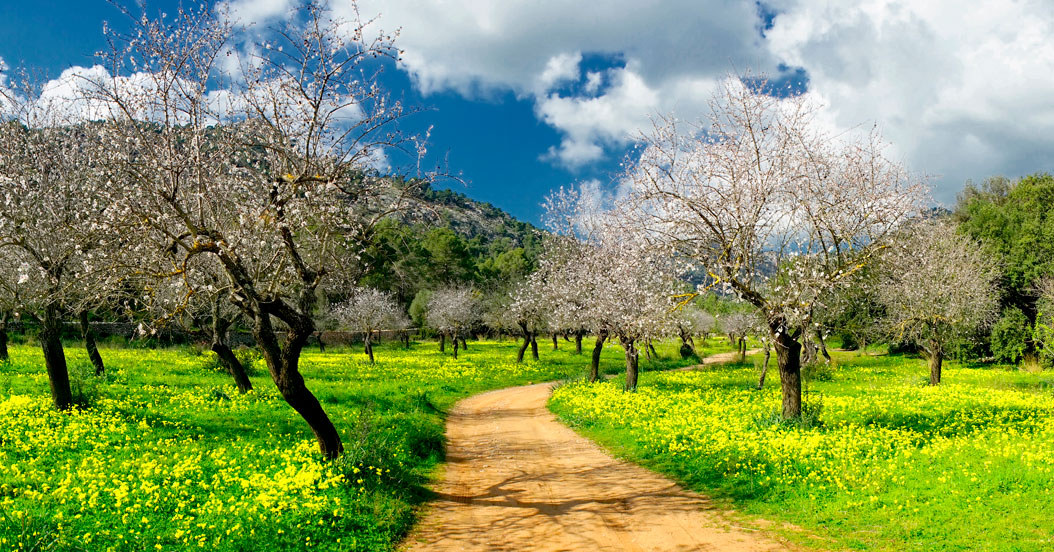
<point>936,360</point>
<point>654,353</point>
<point>823,346</point>
<point>55,358</point>
<point>534,346</point>
<point>556,342</point>
<point>233,365</point>
<point>598,347</point>
<point>765,366</point>
<point>220,325</point>
<point>632,356</point>
<point>442,343</point>
<point>578,342</point>
<point>808,351</point>
<point>788,359</point>
<point>3,337</point>
<point>455,340</point>
<point>368,342</point>
<point>526,343</point>
<point>464,344</point>
<point>742,349</point>
<point>284,366</point>
<point>89,344</point>
<point>321,344</point>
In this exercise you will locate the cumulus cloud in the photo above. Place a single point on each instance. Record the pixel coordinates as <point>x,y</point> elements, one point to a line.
<point>531,47</point>
<point>960,91</point>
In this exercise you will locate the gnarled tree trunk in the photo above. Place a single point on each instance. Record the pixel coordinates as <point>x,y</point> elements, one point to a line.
<point>442,343</point>
<point>598,347</point>
<point>368,342</point>
<point>632,357</point>
<point>222,348</point>
<point>534,346</point>
<point>284,365</point>
<point>526,342</point>
<point>556,342</point>
<point>936,361</point>
<point>578,342</point>
<point>55,358</point>
<point>90,345</point>
<point>765,366</point>
<point>788,359</point>
<point>456,343</point>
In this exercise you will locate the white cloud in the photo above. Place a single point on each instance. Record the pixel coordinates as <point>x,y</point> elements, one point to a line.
<point>559,69</point>
<point>248,12</point>
<point>532,46</point>
<point>961,90</point>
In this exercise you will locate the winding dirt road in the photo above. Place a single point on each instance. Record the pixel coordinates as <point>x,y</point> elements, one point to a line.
<point>517,479</point>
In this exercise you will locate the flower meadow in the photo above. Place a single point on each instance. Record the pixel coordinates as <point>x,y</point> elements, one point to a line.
<point>166,455</point>
<point>889,464</point>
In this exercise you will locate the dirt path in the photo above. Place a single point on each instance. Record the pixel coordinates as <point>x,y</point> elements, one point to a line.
<point>517,479</point>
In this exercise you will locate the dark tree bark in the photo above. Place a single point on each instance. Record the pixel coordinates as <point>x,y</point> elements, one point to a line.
<point>55,358</point>
<point>534,346</point>
<point>284,366</point>
<point>3,337</point>
<point>578,342</point>
<point>90,345</point>
<point>464,344</point>
<point>442,343</point>
<point>526,342</point>
<point>233,365</point>
<point>455,340</point>
<point>765,366</point>
<point>556,342</point>
<point>654,353</point>
<point>742,349</point>
<point>594,366</point>
<point>368,342</point>
<point>936,361</point>
<point>222,348</point>
<point>321,344</point>
<point>788,358</point>
<point>632,357</point>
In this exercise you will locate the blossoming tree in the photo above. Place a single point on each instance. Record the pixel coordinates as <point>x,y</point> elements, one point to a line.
<point>760,190</point>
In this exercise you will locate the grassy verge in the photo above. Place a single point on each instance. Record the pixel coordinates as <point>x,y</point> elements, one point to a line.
<point>892,465</point>
<point>168,456</point>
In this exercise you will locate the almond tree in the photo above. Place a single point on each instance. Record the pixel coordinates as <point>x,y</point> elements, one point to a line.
<point>760,189</point>
<point>529,312</point>
<point>369,310</point>
<point>692,321</point>
<point>197,297</point>
<point>273,177</point>
<point>52,201</point>
<point>453,311</point>
<point>937,285</point>
<point>633,294</point>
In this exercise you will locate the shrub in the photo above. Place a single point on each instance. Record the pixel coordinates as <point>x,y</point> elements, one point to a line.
<point>1010,336</point>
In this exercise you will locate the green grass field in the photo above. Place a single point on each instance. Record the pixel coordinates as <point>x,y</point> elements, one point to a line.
<point>892,465</point>
<point>170,457</point>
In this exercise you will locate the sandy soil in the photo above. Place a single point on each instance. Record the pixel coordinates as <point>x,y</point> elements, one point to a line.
<point>517,479</point>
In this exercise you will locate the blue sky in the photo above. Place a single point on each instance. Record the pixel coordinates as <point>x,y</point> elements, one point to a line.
<point>529,95</point>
